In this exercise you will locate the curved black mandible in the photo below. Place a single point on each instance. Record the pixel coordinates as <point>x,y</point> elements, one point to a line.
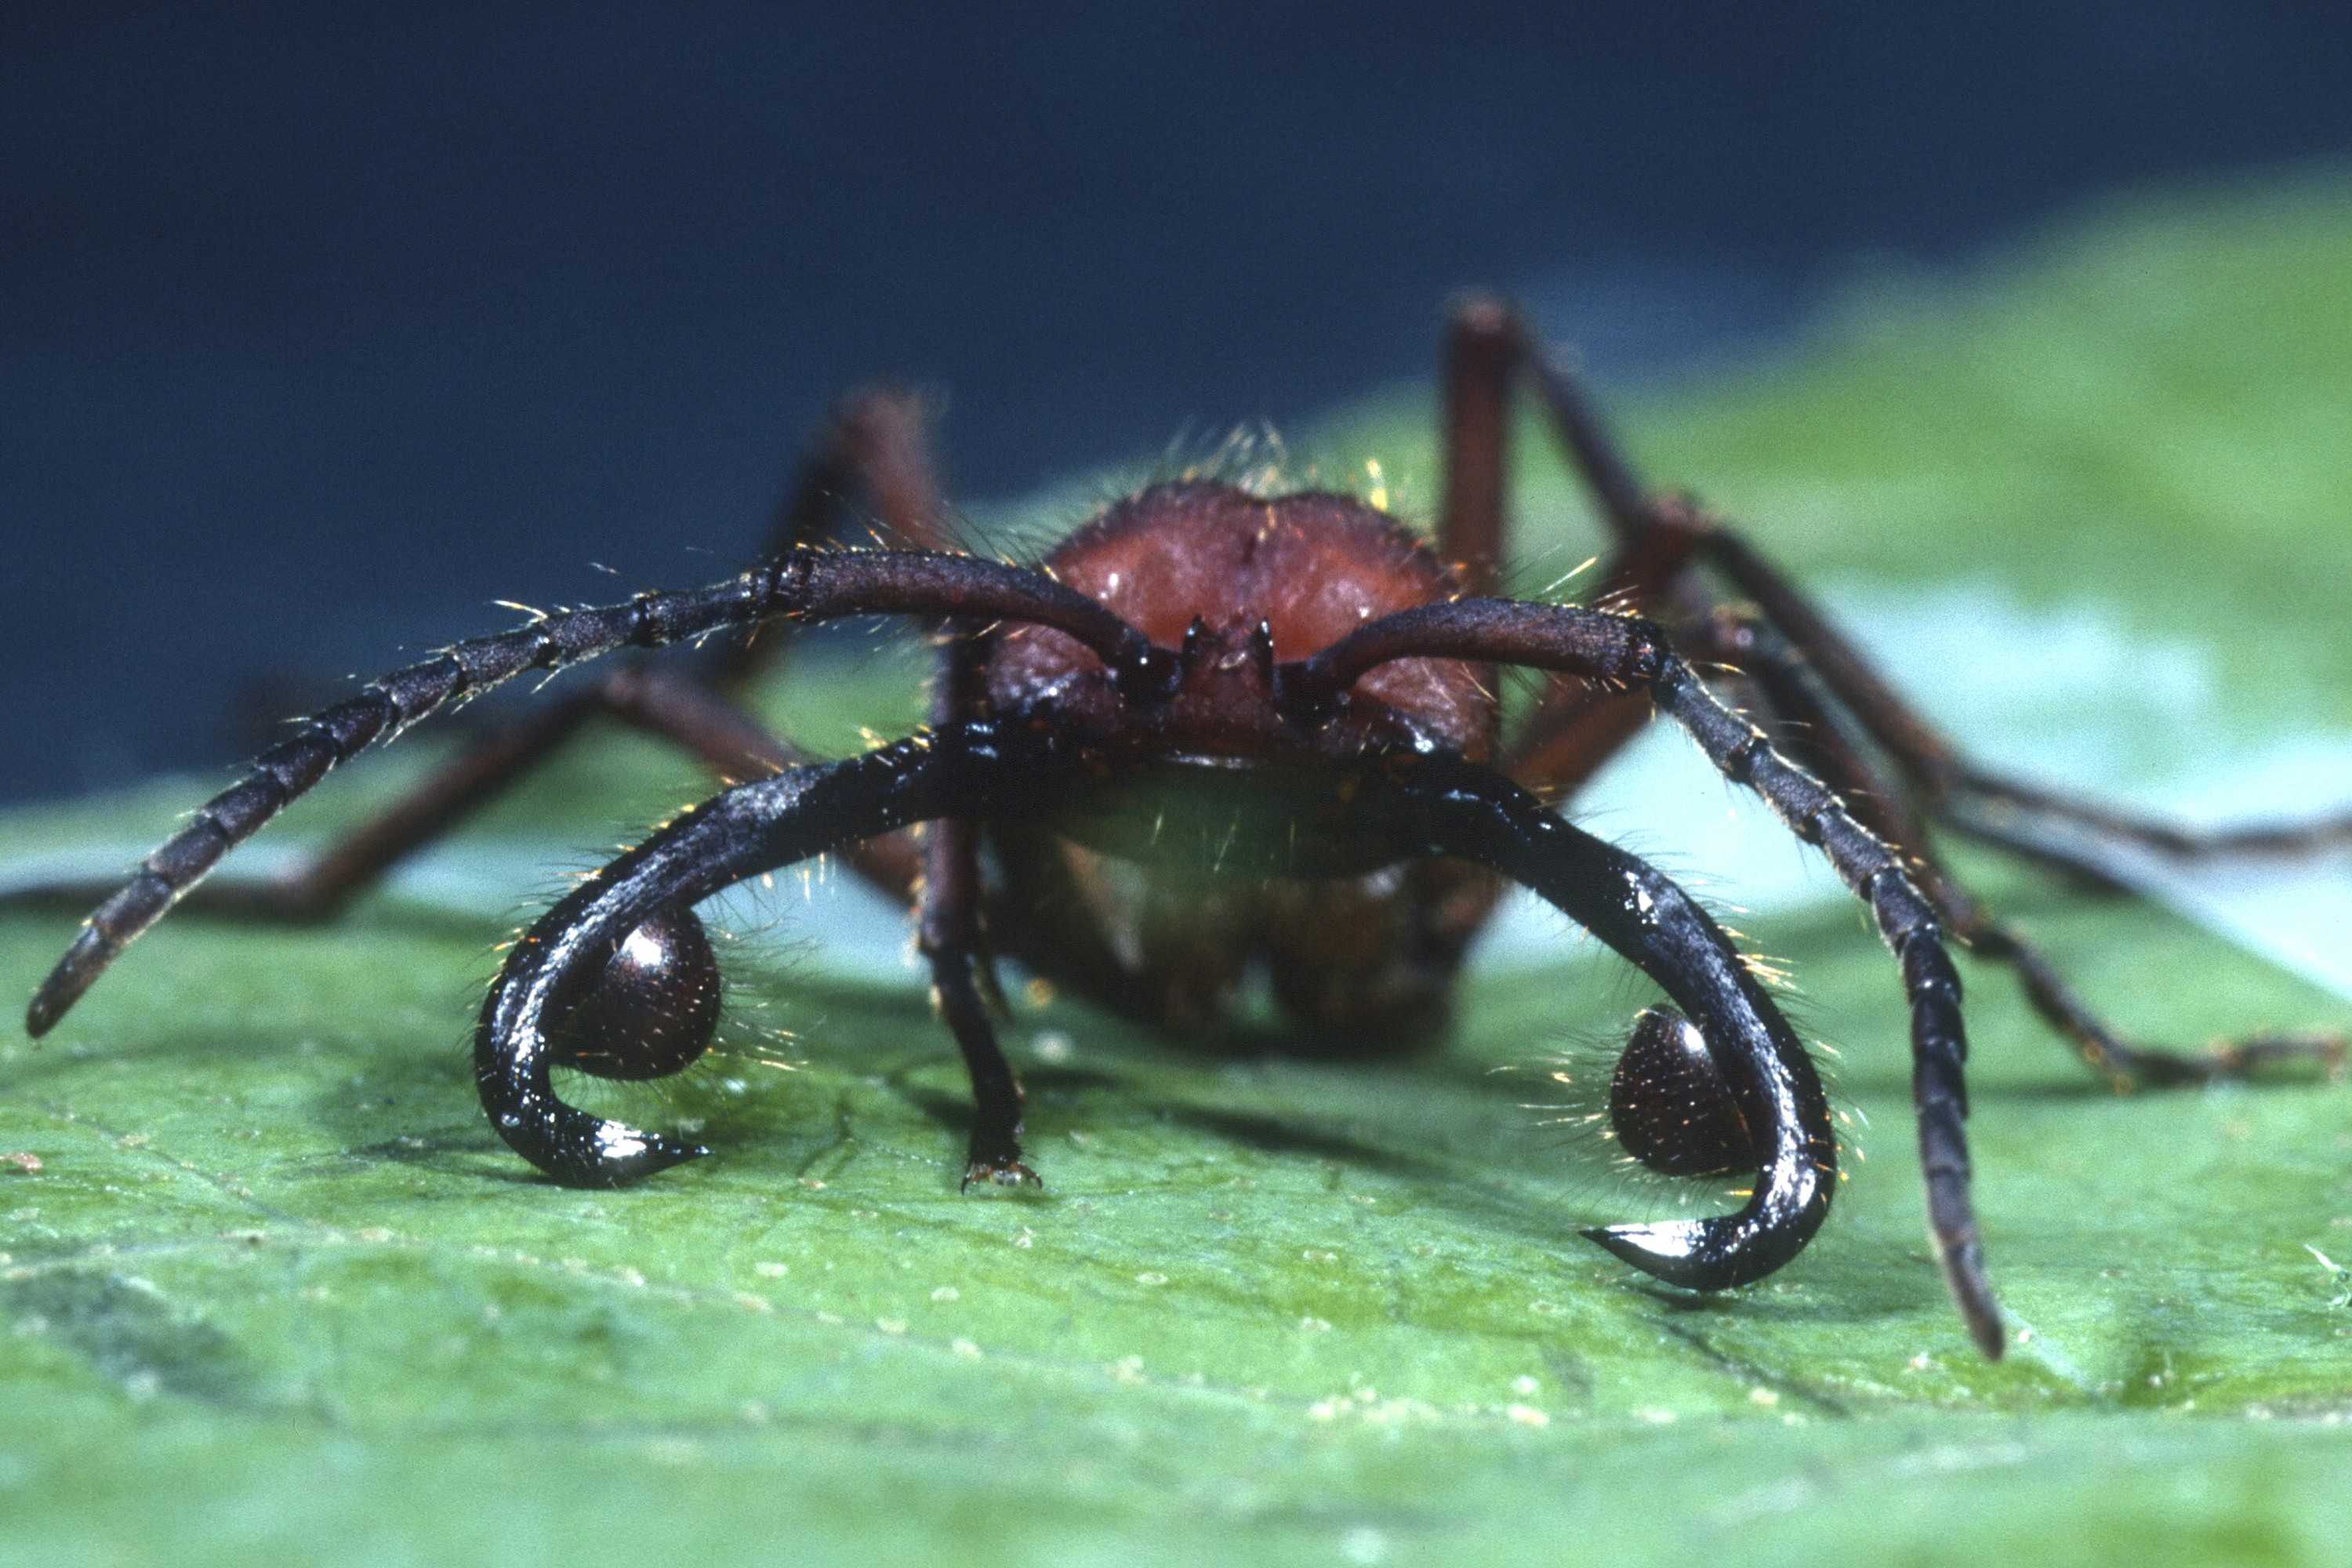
<point>1459,808</point>
<point>978,769</point>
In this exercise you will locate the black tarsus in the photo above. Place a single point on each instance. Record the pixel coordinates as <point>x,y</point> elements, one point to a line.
<point>948,931</point>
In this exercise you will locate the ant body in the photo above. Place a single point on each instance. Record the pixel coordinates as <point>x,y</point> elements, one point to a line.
<point>1213,731</point>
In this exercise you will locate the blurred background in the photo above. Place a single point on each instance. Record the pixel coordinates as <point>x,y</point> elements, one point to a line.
<point>321,330</point>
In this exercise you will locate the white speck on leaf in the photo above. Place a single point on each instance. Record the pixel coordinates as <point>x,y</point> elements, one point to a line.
<point>2337,1274</point>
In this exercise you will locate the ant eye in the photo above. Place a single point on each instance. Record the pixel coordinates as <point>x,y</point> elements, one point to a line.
<point>653,1009</point>
<point>1670,1107</point>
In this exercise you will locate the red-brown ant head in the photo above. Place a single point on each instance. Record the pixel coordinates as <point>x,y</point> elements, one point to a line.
<point>1236,584</point>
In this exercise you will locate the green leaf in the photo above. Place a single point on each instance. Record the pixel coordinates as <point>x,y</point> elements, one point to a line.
<point>274,1286</point>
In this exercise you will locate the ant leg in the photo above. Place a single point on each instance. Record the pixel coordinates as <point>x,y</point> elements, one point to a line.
<point>1481,353</point>
<point>951,941</point>
<point>2001,810</point>
<point>1577,729</point>
<point>1657,534</point>
<point>978,769</point>
<point>1602,647</point>
<point>1488,345</point>
<point>1949,782</point>
<point>1946,782</point>
<point>1808,727</point>
<point>1572,732</point>
<point>1652,548</point>
<point>950,936</point>
<point>873,442</point>
<point>1573,729</point>
<point>1806,723</point>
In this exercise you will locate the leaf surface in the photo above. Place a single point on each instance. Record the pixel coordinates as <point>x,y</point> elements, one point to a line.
<point>276,1288</point>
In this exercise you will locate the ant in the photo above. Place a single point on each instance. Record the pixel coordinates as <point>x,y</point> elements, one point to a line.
<point>1210,732</point>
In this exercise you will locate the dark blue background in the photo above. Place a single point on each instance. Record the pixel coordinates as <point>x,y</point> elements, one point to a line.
<point>319,330</point>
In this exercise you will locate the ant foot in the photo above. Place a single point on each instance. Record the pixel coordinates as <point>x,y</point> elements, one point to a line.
<point>2320,1050</point>
<point>1005,1170</point>
<point>2323,1047</point>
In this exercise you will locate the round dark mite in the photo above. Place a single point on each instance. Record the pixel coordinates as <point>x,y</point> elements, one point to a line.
<point>1669,1106</point>
<point>653,1010</point>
